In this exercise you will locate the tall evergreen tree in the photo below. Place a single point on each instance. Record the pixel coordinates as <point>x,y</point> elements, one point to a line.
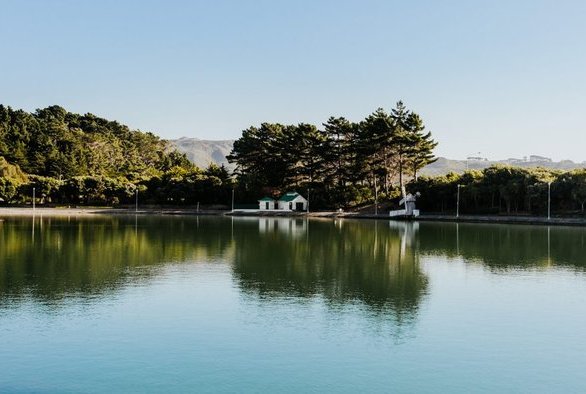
<point>422,145</point>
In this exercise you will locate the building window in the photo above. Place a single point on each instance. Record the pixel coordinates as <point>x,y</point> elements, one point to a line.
<point>291,205</point>
<point>267,205</point>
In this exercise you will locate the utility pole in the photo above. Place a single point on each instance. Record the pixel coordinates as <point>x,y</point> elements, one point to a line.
<point>458,202</point>
<point>232,199</point>
<point>375,198</point>
<point>548,200</point>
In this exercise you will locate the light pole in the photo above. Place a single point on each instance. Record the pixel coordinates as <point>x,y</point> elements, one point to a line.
<point>307,200</point>
<point>33,198</point>
<point>548,200</point>
<point>136,201</point>
<point>232,199</point>
<point>458,202</point>
<point>375,198</point>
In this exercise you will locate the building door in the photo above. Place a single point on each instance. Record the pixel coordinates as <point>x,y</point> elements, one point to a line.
<point>299,206</point>
<point>267,205</point>
<point>290,206</point>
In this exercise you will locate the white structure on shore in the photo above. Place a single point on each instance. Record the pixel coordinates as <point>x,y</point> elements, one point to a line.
<point>290,201</point>
<point>409,201</point>
<point>266,204</point>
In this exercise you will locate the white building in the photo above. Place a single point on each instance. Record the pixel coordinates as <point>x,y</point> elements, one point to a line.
<point>409,202</point>
<point>292,201</point>
<point>266,204</point>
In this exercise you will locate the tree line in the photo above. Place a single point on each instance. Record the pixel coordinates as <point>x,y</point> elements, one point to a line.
<point>72,159</point>
<point>87,160</point>
<point>504,189</point>
<point>341,164</point>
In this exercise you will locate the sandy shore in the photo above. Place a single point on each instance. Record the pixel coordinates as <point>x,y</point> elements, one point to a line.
<point>8,211</point>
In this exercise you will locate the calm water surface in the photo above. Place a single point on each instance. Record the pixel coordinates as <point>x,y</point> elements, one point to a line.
<point>289,305</point>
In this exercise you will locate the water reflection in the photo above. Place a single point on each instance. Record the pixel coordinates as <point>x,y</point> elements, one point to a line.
<point>504,247</point>
<point>50,258</point>
<point>342,261</point>
<point>373,263</point>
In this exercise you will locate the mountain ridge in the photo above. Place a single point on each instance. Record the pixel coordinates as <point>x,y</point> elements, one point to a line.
<point>205,152</point>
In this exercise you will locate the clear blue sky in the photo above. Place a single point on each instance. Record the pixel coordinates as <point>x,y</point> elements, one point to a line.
<point>505,78</point>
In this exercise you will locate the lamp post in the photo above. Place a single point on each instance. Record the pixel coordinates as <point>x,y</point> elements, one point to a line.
<point>232,199</point>
<point>136,200</point>
<point>307,200</point>
<point>548,200</point>
<point>458,202</point>
<point>375,198</point>
<point>34,199</point>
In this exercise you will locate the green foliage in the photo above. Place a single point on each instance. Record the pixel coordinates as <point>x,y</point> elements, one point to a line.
<point>503,189</point>
<point>342,164</point>
<point>56,143</point>
<point>84,159</point>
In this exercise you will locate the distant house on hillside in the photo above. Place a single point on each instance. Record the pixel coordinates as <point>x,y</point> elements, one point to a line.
<point>513,160</point>
<point>290,201</point>
<point>539,159</point>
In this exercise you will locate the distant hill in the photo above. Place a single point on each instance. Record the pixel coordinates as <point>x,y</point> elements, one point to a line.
<point>204,152</point>
<point>442,166</point>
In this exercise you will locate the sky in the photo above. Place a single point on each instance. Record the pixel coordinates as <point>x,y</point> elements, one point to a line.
<point>496,78</point>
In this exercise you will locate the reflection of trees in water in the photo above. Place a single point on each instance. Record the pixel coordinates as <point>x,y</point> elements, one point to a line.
<point>342,261</point>
<point>374,263</point>
<point>52,258</point>
<point>506,246</point>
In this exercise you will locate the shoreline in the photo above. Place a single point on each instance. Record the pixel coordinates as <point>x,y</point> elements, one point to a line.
<point>97,211</point>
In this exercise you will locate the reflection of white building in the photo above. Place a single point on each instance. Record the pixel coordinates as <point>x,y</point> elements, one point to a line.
<point>407,233</point>
<point>287,226</point>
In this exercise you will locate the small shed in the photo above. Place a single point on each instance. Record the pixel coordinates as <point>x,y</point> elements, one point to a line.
<point>292,201</point>
<point>266,204</point>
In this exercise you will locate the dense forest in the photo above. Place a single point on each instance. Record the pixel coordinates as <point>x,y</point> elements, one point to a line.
<point>341,164</point>
<point>83,159</point>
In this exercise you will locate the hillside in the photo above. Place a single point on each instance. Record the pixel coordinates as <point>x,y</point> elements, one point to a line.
<point>442,166</point>
<point>56,143</point>
<point>204,152</point>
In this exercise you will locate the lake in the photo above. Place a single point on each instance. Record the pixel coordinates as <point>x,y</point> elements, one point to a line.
<point>214,304</point>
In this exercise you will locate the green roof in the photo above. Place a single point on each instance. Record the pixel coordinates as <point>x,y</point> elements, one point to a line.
<point>289,196</point>
<point>266,199</point>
